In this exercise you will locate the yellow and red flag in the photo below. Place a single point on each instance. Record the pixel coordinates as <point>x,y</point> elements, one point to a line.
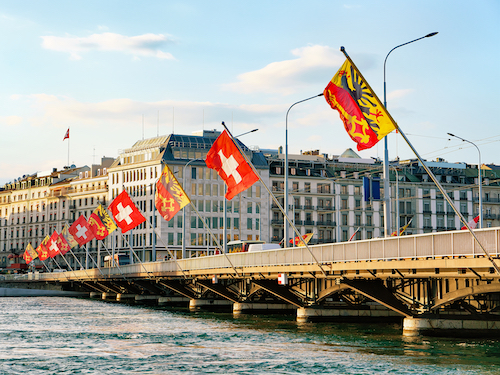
<point>62,244</point>
<point>29,254</point>
<point>303,240</point>
<point>68,237</point>
<point>43,252</point>
<point>402,229</point>
<point>170,198</point>
<point>365,118</point>
<point>101,223</point>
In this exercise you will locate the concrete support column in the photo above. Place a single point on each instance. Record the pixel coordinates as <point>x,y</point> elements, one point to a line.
<point>373,313</point>
<point>173,301</point>
<point>256,308</point>
<point>209,304</point>
<point>121,297</point>
<point>146,299</point>
<point>109,296</point>
<point>453,326</point>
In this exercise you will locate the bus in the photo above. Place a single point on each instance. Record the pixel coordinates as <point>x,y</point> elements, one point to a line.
<point>120,260</point>
<point>241,246</point>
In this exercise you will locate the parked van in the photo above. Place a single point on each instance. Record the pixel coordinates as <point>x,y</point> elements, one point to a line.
<point>263,247</point>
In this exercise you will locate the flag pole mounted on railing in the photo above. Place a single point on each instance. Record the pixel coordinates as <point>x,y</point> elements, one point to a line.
<point>355,70</point>
<point>272,196</point>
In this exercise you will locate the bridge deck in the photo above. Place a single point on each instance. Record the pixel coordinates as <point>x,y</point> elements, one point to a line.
<point>447,253</point>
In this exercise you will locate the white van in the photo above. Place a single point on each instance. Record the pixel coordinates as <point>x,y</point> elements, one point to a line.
<point>263,247</point>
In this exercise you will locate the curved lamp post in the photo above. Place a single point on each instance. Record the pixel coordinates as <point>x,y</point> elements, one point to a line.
<point>479,178</point>
<point>387,193</point>
<point>287,228</point>
<point>184,209</point>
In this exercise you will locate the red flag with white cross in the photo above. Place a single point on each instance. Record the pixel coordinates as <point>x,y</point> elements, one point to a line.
<point>53,246</point>
<point>126,214</point>
<point>231,165</point>
<point>80,230</point>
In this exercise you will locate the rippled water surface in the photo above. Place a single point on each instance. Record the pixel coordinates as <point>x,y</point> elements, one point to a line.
<point>75,336</point>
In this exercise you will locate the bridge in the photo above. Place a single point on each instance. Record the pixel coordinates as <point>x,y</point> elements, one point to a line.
<point>436,283</point>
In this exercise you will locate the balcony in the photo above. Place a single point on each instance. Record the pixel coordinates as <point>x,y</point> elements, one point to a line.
<point>309,222</point>
<point>326,223</point>
<point>308,207</point>
<point>277,222</point>
<point>324,208</point>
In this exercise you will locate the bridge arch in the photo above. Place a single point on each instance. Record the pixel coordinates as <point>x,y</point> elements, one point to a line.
<point>465,292</point>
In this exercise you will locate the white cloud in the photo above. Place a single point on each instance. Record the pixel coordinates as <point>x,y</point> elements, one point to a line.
<point>60,111</point>
<point>140,45</point>
<point>396,94</point>
<point>11,120</point>
<point>312,65</point>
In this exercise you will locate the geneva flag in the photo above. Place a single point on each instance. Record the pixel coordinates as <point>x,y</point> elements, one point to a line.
<point>231,166</point>
<point>29,254</point>
<point>170,198</point>
<point>101,223</point>
<point>365,118</point>
<point>43,252</point>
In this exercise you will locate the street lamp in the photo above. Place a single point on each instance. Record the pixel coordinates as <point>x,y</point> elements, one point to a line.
<point>479,178</point>
<point>184,210</point>
<point>387,193</point>
<point>287,228</point>
<point>397,200</point>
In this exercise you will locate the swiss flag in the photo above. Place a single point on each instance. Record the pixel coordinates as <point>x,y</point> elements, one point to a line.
<point>127,216</point>
<point>66,136</point>
<point>472,223</point>
<point>53,246</point>
<point>81,231</point>
<point>231,166</point>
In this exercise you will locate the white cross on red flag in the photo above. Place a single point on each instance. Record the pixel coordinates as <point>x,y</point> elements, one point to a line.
<point>53,246</point>
<point>127,216</point>
<point>231,165</point>
<point>81,232</point>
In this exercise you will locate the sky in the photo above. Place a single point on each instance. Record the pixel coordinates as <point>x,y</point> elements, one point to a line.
<point>115,72</point>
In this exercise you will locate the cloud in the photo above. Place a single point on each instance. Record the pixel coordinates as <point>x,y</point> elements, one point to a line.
<point>312,65</point>
<point>11,120</point>
<point>61,111</point>
<point>141,45</point>
<point>396,94</point>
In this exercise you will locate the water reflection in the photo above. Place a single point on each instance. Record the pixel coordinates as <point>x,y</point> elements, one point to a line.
<point>58,335</point>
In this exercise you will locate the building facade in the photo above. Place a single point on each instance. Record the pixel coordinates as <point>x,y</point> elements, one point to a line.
<point>326,198</point>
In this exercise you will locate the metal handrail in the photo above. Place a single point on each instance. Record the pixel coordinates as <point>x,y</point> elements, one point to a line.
<point>421,246</point>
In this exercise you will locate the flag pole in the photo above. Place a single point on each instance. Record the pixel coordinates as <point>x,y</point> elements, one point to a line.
<point>139,259</point>
<point>274,198</point>
<point>116,265</point>
<point>427,169</point>
<point>88,253</point>
<point>80,263</point>
<point>156,233</point>
<point>71,268</point>
<point>216,241</point>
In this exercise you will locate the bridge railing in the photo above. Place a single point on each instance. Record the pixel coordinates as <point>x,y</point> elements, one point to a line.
<point>424,246</point>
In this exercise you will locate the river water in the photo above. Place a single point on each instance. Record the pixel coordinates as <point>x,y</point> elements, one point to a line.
<point>52,335</point>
